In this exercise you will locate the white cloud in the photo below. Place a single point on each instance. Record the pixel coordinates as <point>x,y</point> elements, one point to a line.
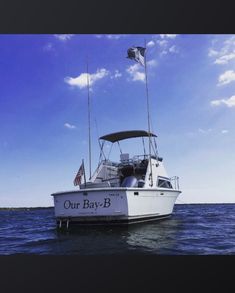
<point>199,131</point>
<point>168,36</point>
<point>217,102</point>
<point>150,44</point>
<point>230,41</point>
<point>63,37</point>
<point>117,74</point>
<point>167,46</point>
<point>111,36</point>
<point>164,52</point>
<point>135,73</point>
<point>152,63</point>
<point>173,49</point>
<point>224,52</point>
<point>69,126</point>
<point>204,131</point>
<point>81,80</point>
<point>225,58</point>
<point>228,102</point>
<point>212,52</point>
<point>227,77</point>
<point>162,43</point>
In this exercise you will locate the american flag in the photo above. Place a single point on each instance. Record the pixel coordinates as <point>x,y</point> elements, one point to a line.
<point>137,54</point>
<point>77,180</point>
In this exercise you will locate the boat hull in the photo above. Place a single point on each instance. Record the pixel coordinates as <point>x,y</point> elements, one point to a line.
<point>113,206</point>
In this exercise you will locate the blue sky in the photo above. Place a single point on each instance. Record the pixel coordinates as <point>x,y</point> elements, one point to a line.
<point>43,109</point>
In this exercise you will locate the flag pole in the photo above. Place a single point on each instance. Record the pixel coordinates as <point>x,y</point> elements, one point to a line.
<point>147,96</point>
<point>89,120</point>
<point>84,171</point>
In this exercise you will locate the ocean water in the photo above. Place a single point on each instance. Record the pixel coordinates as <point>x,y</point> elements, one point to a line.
<point>195,229</point>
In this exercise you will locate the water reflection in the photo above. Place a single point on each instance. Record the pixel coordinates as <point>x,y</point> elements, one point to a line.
<point>155,237</point>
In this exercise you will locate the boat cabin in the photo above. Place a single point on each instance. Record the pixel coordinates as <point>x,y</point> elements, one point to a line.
<point>140,171</point>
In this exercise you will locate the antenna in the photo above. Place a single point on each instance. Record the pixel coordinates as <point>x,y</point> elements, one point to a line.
<point>89,120</point>
<point>147,95</point>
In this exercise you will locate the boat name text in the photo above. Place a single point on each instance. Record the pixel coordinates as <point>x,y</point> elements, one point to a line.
<point>87,204</point>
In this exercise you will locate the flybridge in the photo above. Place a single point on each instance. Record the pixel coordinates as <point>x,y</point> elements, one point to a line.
<point>116,137</point>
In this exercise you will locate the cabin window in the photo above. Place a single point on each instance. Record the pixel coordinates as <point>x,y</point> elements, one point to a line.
<point>164,183</point>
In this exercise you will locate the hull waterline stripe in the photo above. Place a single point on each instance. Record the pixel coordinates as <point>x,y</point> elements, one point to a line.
<point>112,222</point>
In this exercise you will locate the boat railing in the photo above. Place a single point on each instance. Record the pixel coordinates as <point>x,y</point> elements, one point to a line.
<point>133,161</point>
<point>140,158</point>
<point>175,182</point>
<point>109,163</point>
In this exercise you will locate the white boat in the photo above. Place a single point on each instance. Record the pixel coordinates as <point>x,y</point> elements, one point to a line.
<point>135,189</point>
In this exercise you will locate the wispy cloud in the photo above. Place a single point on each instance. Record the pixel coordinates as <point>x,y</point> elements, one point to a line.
<point>136,73</point>
<point>227,77</point>
<point>49,47</point>
<point>167,45</point>
<point>212,52</point>
<point>168,36</point>
<point>110,36</point>
<point>173,49</point>
<point>199,131</point>
<point>113,37</point>
<point>162,43</point>
<point>225,58</point>
<point>63,37</point>
<point>69,126</point>
<point>223,52</point>
<point>81,80</point>
<point>230,102</point>
<point>152,63</point>
<point>151,43</point>
<point>204,131</point>
<point>117,74</point>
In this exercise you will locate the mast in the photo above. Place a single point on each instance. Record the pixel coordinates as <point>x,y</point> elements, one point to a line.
<point>148,113</point>
<point>89,120</point>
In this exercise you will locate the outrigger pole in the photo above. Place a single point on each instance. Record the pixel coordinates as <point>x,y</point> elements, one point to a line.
<point>135,53</point>
<point>89,120</point>
<point>147,96</point>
